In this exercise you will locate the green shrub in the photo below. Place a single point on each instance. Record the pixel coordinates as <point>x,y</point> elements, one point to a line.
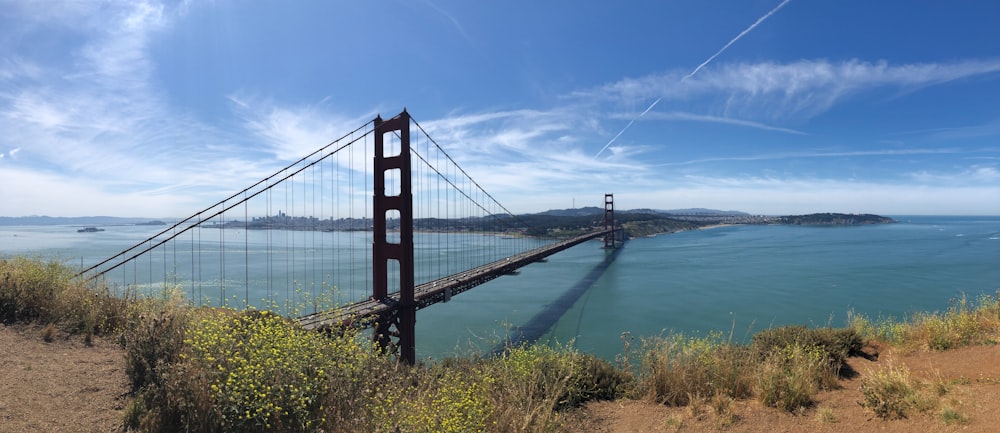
<point>154,339</point>
<point>789,377</point>
<point>596,379</point>
<point>835,344</point>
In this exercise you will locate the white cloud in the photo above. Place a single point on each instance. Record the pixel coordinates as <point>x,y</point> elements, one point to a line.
<point>976,174</point>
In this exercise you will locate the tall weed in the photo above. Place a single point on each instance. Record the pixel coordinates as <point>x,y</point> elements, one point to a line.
<point>676,369</point>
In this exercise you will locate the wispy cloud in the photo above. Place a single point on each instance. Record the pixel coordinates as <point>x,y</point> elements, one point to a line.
<point>817,154</point>
<point>292,131</point>
<point>979,174</point>
<point>96,113</point>
<point>451,19</point>
<point>799,89</point>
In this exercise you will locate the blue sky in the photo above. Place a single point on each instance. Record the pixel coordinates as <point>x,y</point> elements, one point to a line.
<point>143,108</point>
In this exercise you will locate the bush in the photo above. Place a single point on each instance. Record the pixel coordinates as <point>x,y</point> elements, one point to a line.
<point>835,344</point>
<point>256,371</point>
<point>596,379</point>
<point>153,339</point>
<point>789,377</point>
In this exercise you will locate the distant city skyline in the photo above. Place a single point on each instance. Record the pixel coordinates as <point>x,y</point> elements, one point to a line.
<point>777,107</point>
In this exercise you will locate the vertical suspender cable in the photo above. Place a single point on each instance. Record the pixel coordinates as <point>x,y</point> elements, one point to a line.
<point>246,253</point>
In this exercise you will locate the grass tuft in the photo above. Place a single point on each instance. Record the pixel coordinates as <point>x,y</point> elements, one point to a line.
<point>49,333</point>
<point>891,394</point>
<point>950,416</point>
<point>825,415</point>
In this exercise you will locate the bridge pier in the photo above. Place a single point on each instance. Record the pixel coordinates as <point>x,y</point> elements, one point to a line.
<point>609,222</point>
<point>398,323</point>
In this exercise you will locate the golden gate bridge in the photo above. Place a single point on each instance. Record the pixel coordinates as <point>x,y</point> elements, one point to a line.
<point>364,231</point>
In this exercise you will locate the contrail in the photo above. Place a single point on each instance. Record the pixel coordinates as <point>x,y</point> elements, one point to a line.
<point>752,26</point>
<point>695,71</point>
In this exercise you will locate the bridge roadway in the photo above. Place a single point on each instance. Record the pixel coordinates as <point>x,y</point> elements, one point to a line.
<point>364,313</point>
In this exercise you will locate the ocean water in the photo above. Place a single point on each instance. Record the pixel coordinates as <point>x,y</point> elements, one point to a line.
<point>737,279</point>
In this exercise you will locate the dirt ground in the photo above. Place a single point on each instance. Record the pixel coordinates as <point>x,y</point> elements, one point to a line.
<point>62,386</point>
<point>67,386</point>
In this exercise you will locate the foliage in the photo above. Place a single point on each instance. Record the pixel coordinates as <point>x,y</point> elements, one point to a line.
<point>261,373</point>
<point>447,400</point>
<point>888,329</point>
<point>961,325</point>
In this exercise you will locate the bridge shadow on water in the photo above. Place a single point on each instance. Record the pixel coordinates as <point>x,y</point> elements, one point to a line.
<point>544,320</point>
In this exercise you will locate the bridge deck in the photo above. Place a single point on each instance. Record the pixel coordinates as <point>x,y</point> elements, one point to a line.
<point>441,290</point>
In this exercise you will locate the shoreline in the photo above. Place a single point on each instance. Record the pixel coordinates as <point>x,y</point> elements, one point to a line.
<point>715,226</point>
<point>706,227</point>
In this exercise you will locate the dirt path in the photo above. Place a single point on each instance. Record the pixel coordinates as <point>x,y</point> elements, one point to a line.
<point>63,386</point>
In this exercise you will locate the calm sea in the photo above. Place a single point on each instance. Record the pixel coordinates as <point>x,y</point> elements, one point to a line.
<point>736,279</point>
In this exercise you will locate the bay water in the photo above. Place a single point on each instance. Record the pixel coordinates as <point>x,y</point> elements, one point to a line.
<point>736,280</point>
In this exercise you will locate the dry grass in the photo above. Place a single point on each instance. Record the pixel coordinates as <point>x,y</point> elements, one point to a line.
<point>40,291</point>
<point>782,367</point>
<point>964,323</point>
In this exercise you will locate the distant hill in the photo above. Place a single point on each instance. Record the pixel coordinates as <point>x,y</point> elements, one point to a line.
<point>594,210</point>
<point>72,221</point>
<point>582,211</point>
<point>691,211</point>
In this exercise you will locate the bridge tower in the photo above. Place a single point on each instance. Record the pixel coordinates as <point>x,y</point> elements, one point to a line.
<point>609,221</point>
<point>399,322</point>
